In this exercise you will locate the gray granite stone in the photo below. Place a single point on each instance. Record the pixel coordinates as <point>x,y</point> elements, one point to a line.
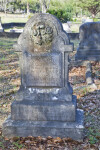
<point>74,130</point>
<point>89,46</point>
<point>44,111</point>
<point>44,59</point>
<point>43,70</point>
<point>44,104</point>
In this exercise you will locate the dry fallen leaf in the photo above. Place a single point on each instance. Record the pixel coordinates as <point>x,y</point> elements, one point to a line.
<point>57,139</point>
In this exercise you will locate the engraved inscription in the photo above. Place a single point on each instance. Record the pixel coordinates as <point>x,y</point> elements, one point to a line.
<point>44,71</point>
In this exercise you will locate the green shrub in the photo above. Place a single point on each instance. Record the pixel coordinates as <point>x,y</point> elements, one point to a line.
<point>75,20</point>
<point>63,15</point>
<point>95,19</point>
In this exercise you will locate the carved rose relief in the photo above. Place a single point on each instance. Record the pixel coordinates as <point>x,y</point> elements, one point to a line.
<point>42,35</point>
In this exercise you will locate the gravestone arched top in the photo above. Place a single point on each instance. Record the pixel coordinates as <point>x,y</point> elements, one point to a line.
<point>89,34</point>
<point>43,33</point>
<point>89,46</point>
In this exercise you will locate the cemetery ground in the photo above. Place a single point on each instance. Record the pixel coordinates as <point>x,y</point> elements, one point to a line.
<point>8,18</point>
<point>88,99</point>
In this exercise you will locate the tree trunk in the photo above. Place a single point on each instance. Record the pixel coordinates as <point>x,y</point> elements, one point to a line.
<point>44,9</point>
<point>45,5</point>
<point>27,8</point>
<point>5,9</point>
<point>93,17</point>
<point>2,4</point>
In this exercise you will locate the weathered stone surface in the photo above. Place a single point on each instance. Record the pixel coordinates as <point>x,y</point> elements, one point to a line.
<point>44,104</point>
<point>89,46</point>
<point>74,130</point>
<point>44,111</point>
<point>44,60</point>
<point>43,70</point>
<point>47,94</point>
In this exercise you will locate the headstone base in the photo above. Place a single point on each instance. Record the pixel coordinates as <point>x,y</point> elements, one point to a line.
<point>44,110</point>
<point>74,130</point>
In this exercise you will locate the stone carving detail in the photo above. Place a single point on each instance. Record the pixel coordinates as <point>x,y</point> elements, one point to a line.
<point>42,36</point>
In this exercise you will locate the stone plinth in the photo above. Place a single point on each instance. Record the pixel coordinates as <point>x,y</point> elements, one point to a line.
<point>19,128</point>
<point>44,105</point>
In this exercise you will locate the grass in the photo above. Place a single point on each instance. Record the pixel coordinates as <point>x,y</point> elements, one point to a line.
<point>93,134</point>
<point>16,20</point>
<point>75,28</point>
<point>13,18</point>
<point>6,42</point>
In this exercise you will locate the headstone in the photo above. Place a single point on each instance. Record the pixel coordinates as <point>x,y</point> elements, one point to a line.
<point>1,28</point>
<point>66,27</point>
<point>15,30</point>
<point>89,46</point>
<point>44,104</point>
<point>88,20</point>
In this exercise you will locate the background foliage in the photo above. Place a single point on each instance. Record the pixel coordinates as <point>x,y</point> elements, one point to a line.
<point>65,10</point>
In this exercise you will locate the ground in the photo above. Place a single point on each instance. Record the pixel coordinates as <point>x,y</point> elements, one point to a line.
<point>88,99</point>
<point>9,18</point>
